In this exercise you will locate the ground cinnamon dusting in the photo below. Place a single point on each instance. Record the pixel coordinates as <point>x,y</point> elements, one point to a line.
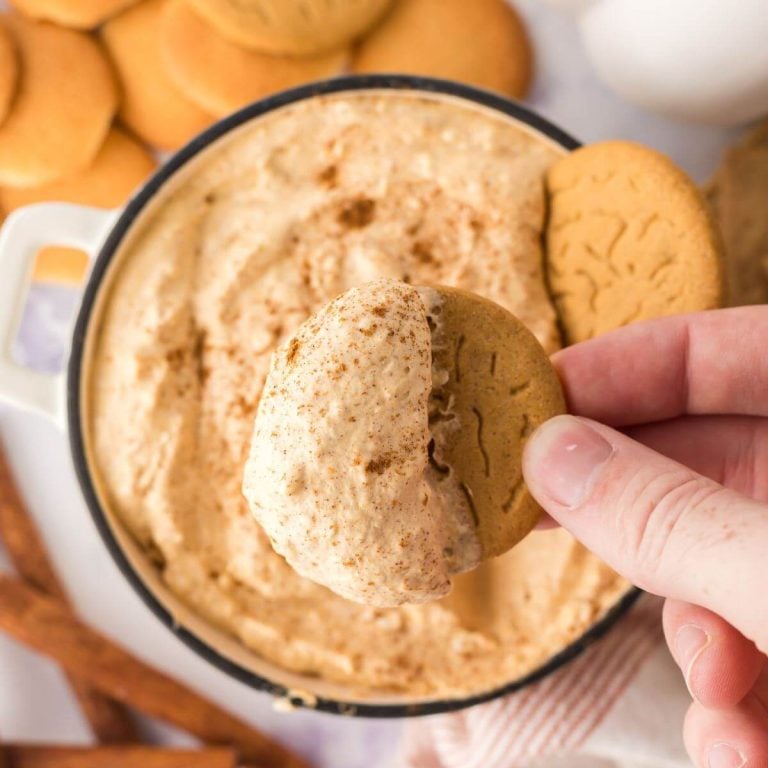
<point>357,213</point>
<point>378,465</point>
<point>293,350</point>
<point>381,536</point>
<point>168,451</point>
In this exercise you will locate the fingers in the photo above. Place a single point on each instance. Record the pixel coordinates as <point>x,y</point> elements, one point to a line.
<point>710,362</point>
<point>719,664</point>
<point>731,450</point>
<point>657,522</point>
<point>728,738</point>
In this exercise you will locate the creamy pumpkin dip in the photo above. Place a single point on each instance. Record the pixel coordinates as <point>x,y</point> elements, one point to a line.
<point>267,226</point>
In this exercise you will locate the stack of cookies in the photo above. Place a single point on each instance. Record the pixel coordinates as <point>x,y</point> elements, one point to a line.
<point>58,102</point>
<point>223,54</point>
<point>164,70</point>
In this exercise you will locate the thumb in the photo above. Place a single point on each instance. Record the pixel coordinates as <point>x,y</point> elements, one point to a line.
<point>658,523</point>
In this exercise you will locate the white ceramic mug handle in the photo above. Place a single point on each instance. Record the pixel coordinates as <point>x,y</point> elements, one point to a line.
<point>24,233</point>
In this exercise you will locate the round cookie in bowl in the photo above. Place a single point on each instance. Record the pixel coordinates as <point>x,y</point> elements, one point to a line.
<point>232,245</point>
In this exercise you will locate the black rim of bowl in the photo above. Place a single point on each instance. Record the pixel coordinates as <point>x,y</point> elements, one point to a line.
<point>74,382</point>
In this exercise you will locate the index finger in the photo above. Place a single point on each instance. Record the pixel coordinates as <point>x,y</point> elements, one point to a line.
<point>706,363</point>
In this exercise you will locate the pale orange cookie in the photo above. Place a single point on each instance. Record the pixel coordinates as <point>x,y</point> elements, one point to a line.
<point>221,76</point>
<point>483,42</point>
<point>121,165</point>
<point>60,264</point>
<point>738,195</point>
<point>153,107</point>
<point>57,264</point>
<point>80,14</point>
<point>64,104</point>
<point>629,238</point>
<point>9,71</point>
<point>294,27</point>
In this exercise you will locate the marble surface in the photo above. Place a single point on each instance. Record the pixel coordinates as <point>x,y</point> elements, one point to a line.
<point>34,701</point>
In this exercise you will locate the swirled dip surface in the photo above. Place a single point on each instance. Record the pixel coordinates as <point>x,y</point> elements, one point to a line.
<point>338,473</point>
<point>262,230</point>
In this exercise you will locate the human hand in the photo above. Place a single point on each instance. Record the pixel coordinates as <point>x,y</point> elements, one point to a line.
<point>676,501</point>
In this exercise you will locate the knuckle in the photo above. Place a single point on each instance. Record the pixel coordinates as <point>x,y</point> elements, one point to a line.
<point>655,519</point>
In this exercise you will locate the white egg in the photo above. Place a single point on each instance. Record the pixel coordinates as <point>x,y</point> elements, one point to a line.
<point>702,60</point>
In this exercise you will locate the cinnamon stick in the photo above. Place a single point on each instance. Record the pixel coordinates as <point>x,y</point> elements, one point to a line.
<point>110,721</point>
<point>38,756</point>
<point>47,626</point>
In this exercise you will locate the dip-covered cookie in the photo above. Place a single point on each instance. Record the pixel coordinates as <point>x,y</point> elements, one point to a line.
<point>386,449</point>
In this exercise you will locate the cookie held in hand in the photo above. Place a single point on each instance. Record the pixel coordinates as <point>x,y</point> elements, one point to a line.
<point>629,238</point>
<point>498,387</point>
<point>387,447</point>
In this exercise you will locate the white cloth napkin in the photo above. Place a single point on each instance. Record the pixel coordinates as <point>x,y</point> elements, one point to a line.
<point>619,705</point>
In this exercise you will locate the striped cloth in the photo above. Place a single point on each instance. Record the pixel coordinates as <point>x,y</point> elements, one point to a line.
<point>562,715</point>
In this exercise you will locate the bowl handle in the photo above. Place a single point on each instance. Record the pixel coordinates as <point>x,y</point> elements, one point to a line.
<point>24,233</point>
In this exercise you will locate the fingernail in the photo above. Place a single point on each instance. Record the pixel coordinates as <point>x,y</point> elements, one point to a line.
<point>569,457</point>
<point>690,642</point>
<point>723,755</point>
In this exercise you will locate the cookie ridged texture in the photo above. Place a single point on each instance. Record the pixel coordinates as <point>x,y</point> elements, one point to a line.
<point>221,76</point>
<point>738,196</point>
<point>482,42</point>
<point>500,387</point>
<point>293,27</point>
<point>9,71</point>
<point>629,238</point>
<point>79,14</point>
<point>64,104</point>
